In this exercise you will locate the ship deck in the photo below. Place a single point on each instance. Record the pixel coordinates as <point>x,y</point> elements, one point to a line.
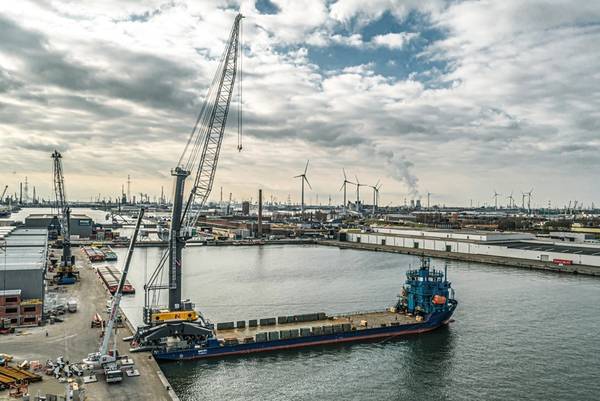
<point>358,321</point>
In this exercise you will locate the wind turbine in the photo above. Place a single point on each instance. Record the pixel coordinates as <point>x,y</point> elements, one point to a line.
<point>376,188</point>
<point>496,195</point>
<point>511,200</point>
<point>302,179</point>
<point>529,200</point>
<point>344,188</point>
<point>358,185</point>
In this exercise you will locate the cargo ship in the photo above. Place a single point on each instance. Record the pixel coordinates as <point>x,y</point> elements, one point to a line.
<point>426,303</point>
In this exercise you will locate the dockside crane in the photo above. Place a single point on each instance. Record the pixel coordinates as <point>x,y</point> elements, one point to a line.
<point>197,163</point>
<point>3,193</point>
<point>104,358</point>
<point>65,273</point>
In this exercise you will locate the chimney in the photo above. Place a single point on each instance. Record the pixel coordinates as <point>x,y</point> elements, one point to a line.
<point>259,234</point>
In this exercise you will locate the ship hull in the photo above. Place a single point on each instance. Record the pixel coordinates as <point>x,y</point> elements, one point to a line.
<point>434,321</point>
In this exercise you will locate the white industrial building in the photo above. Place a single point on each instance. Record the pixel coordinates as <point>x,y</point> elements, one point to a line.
<point>23,254</point>
<point>490,243</point>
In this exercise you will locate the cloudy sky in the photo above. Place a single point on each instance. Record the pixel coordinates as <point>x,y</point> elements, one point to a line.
<point>458,98</point>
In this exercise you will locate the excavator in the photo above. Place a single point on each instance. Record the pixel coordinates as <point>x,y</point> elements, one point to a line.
<point>197,164</point>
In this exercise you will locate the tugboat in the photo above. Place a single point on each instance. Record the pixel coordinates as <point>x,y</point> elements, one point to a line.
<point>426,303</point>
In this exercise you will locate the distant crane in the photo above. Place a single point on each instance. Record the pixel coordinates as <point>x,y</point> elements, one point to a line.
<point>344,184</point>
<point>302,180</point>
<point>67,260</point>
<point>199,162</point>
<point>3,193</point>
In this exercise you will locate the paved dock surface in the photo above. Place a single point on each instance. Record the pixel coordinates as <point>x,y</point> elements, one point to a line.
<point>74,340</point>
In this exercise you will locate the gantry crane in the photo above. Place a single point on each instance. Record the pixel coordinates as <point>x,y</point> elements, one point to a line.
<point>65,273</point>
<point>198,162</point>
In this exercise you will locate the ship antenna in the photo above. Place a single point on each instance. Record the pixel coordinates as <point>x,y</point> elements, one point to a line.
<point>446,271</point>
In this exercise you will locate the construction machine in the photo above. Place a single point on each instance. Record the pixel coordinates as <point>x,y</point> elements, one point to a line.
<point>198,163</point>
<point>104,358</point>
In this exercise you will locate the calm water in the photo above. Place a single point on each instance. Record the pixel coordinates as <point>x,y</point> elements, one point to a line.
<point>518,334</point>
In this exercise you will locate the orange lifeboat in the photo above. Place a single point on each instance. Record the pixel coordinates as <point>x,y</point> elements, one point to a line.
<point>439,300</point>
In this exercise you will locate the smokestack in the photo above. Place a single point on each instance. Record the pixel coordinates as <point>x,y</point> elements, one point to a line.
<point>20,193</point>
<point>259,213</point>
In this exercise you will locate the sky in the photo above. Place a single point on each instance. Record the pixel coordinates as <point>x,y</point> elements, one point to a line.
<point>456,98</point>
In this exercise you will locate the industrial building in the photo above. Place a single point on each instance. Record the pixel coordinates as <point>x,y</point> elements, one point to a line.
<point>23,256</point>
<point>81,225</point>
<point>489,243</point>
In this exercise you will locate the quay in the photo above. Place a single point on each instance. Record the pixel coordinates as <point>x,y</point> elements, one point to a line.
<point>74,339</point>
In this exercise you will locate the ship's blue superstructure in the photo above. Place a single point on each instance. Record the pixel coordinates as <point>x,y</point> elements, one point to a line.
<point>425,291</point>
<point>426,303</point>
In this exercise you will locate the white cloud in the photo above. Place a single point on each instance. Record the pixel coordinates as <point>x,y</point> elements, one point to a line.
<point>394,40</point>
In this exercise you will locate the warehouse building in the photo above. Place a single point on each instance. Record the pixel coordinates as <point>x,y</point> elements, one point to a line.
<point>490,243</point>
<point>81,225</point>
<point>23,256</point>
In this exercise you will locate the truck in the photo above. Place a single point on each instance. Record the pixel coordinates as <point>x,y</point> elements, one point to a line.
<point>72,305</point>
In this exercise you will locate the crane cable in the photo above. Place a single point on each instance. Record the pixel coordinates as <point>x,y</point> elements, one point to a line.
<point>240,91</point>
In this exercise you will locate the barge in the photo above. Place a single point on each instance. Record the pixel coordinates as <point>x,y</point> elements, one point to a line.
<point>425,304</point>
<point>94,254</point>
<point>111,276</point>
<point>109,254</point>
